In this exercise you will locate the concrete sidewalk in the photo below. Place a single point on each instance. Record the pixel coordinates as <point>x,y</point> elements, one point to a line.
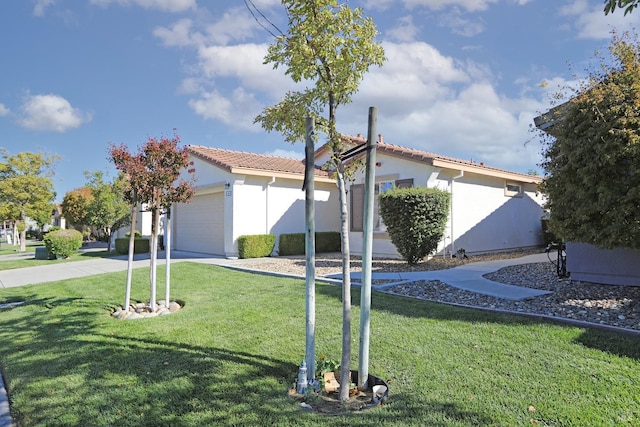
<point>468,277</point>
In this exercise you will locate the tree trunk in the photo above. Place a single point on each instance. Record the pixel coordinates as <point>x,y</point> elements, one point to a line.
<point>345,364</point>
<point>154,257</point>
<point>132,237</point>
<point>167,255</point>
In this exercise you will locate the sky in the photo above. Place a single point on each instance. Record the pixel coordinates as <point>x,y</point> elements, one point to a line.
<point>463,78</point>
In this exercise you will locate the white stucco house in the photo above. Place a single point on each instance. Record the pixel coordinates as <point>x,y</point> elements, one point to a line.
<point>241,193</point>
<point>491,209</point>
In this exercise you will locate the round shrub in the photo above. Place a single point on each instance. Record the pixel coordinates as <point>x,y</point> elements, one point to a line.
<point>63,243</point>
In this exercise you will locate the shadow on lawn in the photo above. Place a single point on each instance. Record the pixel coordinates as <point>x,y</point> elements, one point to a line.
<point>618,343</point>
<point>73,367</point>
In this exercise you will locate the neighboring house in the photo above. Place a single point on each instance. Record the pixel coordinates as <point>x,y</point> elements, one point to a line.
<point>241,193</point>
<point>491,209</point>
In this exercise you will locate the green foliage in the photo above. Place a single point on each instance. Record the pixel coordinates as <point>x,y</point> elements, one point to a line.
<point>415,219</point>
<point>294,243</point>
<point>256,245</point>
<point>629,5</point>
<point>592,180</point>
<point>140,245</point>
<point>136,234</point>
<point>106,209</point>
<point>26,188</point>
<point>324,365</point>
<point>63,243</point>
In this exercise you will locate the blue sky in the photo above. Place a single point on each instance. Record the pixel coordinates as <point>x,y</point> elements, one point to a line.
<point>464,78</point>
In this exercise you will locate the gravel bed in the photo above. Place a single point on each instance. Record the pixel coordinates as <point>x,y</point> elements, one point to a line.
<point>606,305</point>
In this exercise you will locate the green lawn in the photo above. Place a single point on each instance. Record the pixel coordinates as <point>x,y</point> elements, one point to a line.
<point>8,263</point>
<point>229,356</point>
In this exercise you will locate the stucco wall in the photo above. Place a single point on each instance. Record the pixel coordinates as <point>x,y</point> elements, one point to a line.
<point>483,219</point>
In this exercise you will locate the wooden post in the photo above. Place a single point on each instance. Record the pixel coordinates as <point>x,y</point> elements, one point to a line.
<point>367,251</point>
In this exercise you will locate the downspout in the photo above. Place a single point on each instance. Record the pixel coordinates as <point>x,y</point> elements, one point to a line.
<point>453,241</point>
<point>266,225</point>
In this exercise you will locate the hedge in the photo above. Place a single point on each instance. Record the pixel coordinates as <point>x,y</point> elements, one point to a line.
<point>62,243</point>
<point>415,219</point>
<point>294,243</point>
<point>256,245</point>
<point>140,245</point>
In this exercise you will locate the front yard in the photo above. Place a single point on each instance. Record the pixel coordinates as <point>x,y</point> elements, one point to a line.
<point>230,355</point>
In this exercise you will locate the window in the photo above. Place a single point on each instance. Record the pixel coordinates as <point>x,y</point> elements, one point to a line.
<point>512,189</point>
<point>357,202</point>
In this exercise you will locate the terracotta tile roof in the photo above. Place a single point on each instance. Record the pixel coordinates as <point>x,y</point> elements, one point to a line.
<point>234,161</point>
<point>441,161</point>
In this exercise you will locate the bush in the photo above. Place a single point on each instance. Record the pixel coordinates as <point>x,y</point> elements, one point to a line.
<point>256,246</point>
<point>140,245</point>
<point>62,243</point>
<point>415,219</point>
<point>294,244</point>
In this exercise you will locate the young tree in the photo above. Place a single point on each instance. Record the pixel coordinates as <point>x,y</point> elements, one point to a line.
<point>74,206</point>
<point>333,46</point>
<point>107,209</point>
<point>153,176</point>
<point>592,179</point>
<point>26,188</point>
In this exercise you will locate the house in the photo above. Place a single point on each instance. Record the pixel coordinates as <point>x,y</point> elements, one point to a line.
<point>241,193</point>
<point>491,209</point>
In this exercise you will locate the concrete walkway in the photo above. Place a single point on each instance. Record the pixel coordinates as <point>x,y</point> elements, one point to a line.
<point>467,277</point>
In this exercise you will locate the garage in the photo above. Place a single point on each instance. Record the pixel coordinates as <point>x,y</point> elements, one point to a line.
<point>199,225</point>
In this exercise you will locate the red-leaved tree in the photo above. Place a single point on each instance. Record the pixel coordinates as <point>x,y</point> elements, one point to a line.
<point>154,180</point>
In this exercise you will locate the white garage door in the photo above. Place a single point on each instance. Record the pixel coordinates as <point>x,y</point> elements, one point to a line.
<point>199,225</point>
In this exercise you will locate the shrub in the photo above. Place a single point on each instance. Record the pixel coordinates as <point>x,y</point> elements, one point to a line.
<point>256,246</point>
<point>291,244</point>
<point>140,245</point>
<point>62,243</point>
<point>415,219</point>
<point>294,244</point>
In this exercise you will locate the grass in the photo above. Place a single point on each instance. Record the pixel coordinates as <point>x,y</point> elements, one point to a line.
<point>229,356</point>
<point>8,263</point>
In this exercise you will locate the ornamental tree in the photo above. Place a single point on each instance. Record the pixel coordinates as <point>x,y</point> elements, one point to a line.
<point>74,206</point>
<point>153,176</point>
<point>591,153</point>
<point>26,187</point>
<point>331,47</point>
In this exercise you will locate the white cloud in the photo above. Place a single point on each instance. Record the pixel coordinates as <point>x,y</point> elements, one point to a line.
<point>590,22</point>
<point>289,154</point>
<point>237,110</point>
<point>41,5</point>
<point>179,34</point>
<point>460,25</point>
<point>164,5</point>
<point>4,111</point>
<point>50,113</point>
<point>404,31</point>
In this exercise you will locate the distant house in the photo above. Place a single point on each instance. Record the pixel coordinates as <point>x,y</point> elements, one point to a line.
<point>241,193</point>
